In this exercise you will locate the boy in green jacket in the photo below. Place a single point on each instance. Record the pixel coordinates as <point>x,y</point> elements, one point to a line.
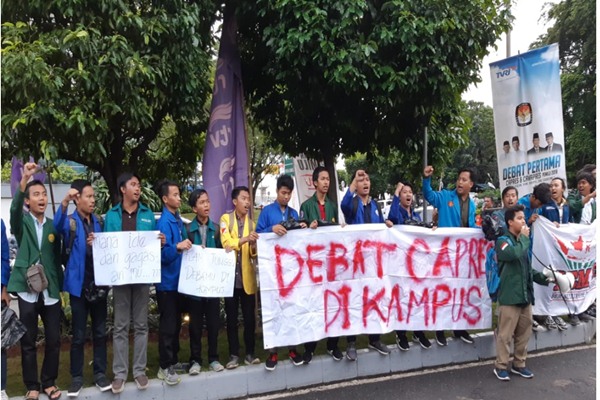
<point>38,243</point>
<point>515,295</point>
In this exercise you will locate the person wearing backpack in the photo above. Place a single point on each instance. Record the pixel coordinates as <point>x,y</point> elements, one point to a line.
<point>238,234</point>
<point>38,244</point>
<point>359,208</point>
<point>515,295</point>
<point>203,232</point>
<point>455,209</point>
<point>77,231</point>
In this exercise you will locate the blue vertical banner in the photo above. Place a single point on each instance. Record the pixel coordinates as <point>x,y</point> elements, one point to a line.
<point>528,119</point>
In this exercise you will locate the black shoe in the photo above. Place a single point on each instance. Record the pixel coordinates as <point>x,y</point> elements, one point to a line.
<point>75,388</point>
<point>380,347</point>
<point>422,340</point>
<point>464,336</point>
<point>440,338</point>
<point>402,342</point>
<point>103,384</point>
<point>296,358</point>
<point>271,362</point>
<point>336,354</point>
<point>307,357</point>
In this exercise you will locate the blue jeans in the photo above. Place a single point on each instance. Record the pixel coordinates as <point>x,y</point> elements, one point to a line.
<point>80,308</point>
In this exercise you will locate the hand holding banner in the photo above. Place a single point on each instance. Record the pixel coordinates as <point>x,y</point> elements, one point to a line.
<point>207,272</point>
<point>122,258</point>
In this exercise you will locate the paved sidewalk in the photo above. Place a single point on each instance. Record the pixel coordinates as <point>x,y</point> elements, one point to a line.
<point>253,380</point>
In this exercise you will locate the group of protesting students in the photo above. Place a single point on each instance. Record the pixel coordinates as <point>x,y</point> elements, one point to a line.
<point>40,239</point>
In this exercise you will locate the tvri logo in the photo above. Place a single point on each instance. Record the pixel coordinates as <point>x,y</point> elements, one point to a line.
<point>506,72</point>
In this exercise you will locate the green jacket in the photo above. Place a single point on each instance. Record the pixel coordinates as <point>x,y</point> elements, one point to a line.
<point>575,207</point>
<point>516,274</point>
<point>113,221</point>
<point>23,228</point>
<point>309,210</point>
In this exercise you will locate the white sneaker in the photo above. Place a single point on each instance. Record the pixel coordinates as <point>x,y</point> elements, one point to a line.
<point>3,395</point>
<point>195,369</point>
<point>216,366</point>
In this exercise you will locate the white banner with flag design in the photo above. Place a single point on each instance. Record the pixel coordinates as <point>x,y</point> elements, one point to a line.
<point>569,248</point>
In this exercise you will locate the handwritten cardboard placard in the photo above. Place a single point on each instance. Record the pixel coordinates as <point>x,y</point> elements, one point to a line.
<point>207,272</point>
<point>338,281</point>
<point>122,258</point>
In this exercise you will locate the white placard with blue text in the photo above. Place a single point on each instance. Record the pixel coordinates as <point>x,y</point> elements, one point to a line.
<point>528,119</point>
<point>123,258</point>
<point>207,272</point>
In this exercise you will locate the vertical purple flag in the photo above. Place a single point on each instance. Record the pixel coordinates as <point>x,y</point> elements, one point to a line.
<point>16,173</point>
<point>225,161</point>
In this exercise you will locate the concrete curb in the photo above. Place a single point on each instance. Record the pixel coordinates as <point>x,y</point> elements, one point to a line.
<point>254,379</point>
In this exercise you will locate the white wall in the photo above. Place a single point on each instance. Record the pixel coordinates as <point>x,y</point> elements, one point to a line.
<point>60,190</point>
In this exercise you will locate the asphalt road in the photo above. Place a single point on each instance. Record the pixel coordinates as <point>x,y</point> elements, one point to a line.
<point>561,374</point>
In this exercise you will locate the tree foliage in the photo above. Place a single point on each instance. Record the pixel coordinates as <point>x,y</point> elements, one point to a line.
<point>479,154</point>
<point>265,156</point>
<point>574,30</point>
<point>333,76</point>
<point>92,81</point>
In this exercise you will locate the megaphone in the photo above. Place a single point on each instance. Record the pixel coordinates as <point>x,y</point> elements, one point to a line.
<point>564,280</point>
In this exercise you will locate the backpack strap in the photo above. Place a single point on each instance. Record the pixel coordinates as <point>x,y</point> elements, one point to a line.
<point>379,209</point>
<point>188,230</point>
<point>72,234</point>
<point>354,206</point>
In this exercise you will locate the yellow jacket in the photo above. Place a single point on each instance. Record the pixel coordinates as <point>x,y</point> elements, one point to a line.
<point>229,237</point>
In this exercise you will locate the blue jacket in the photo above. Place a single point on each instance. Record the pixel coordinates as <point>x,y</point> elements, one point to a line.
<point>144,221</point>
<point>5,257</point>
<point>524,201</point>
<point>448,205</point>
<point>552,212</point>
<point>75,268</point>
<point>399,214</point>
<point>271,215</point>
<point>358,217</point>
<point>170,259</point>
<point>549,210</point>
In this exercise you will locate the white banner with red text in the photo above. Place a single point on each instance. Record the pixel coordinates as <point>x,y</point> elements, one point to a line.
<point>337,281</point>
<point>569,248</point>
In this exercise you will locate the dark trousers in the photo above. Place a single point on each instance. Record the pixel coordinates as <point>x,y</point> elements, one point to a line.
<point>332,343</point>
<point>232,304</point>
<point>372,338</point>
<point>80,309</point>
<point>415,333</point>
<point>169,325</point>
<point>199,309</point>
<point>456,333</point>
<point>28,313</point>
